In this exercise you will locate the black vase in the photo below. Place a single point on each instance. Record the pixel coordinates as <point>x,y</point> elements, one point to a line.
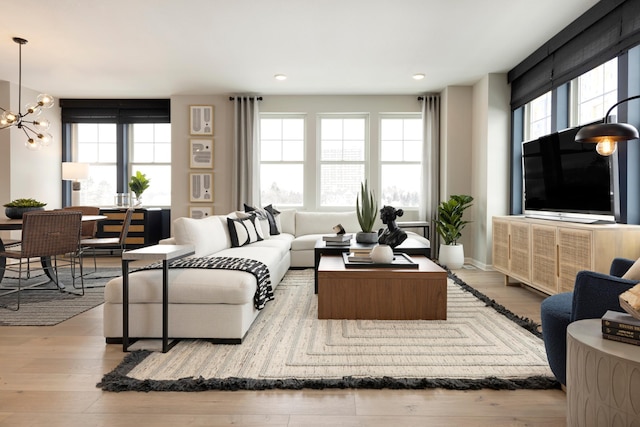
<point>17,212</point>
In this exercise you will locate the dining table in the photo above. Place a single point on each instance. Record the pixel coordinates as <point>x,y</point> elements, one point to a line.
<point>7,224</point>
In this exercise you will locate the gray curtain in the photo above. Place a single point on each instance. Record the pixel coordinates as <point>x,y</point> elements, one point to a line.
<point>246,145</point>
<point>430,199</point>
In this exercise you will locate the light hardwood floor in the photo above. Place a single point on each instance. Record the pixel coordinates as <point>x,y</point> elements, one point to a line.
<point>48,377</point>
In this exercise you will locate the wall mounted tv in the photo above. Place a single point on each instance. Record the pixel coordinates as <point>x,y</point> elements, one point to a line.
<point>568,181</point>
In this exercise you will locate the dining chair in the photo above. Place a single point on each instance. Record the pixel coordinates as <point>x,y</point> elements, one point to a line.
<point>108,242</point>
<point>89,228</point>
<point>50,235</point>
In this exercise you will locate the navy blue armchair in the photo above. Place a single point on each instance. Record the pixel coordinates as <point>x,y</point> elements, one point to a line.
<point>593,294</point>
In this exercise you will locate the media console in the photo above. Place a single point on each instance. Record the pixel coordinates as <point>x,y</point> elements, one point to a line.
<point>546,255</point>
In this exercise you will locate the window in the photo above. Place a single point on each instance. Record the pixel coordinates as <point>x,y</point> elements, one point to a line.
<point>151,155</point>
<point>594,92</point>
<point>400,164</point>
<point>538,117</point>
<point>342,159</point>
<point>118,137</point>
<point>95,143</point>
<point>282,150</point>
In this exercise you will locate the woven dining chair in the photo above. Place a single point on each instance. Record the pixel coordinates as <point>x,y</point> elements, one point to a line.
<point>53,236</point>
<point>108,242</point>
<point>89,228</point>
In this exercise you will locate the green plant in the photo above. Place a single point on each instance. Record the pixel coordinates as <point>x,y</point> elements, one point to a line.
<point>450,223</point>
<point>25,203</point>
<point>366,208</point>
<point>138,183</point>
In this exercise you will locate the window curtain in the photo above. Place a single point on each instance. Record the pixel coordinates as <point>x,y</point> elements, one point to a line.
<point>430,197</point>
<point>246,146</point>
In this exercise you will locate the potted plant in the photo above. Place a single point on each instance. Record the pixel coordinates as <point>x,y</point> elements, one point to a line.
<point>367,211</point>
<point>449,226</point>
<point>137,184</point>
<point>17,207</point>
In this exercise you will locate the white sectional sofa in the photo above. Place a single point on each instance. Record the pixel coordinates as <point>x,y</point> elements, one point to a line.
<point>218,304</point>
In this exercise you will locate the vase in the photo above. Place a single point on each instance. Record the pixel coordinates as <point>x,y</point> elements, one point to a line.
<point>137,201</point>
<point>451,256</point>
<point>382,254</point>
<point>16,212</point>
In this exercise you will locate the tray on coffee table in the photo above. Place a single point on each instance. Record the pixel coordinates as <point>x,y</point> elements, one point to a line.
<point>400,260</point>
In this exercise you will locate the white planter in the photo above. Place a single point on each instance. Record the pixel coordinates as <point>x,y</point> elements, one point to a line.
<point>451,256</point>
<point>364,237</point>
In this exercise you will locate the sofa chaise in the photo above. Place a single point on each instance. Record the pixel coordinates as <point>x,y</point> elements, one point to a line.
<point>219,304</point>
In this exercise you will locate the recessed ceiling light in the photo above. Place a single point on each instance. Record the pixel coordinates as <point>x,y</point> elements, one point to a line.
<point>280,77</point>
<point>418,76</point>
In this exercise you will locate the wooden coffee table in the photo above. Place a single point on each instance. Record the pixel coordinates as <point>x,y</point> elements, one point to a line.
<point>410,246</point>
<point>381,293</point>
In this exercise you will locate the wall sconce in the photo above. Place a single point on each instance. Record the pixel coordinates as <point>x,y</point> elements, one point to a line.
<point>72,171</point>
<point>606,134</point>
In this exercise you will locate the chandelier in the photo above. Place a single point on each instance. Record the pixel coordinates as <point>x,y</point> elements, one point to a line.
<point>34,129</point>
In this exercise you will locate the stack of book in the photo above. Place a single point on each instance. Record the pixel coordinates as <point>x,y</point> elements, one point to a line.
<point>623,327</point>
<point>359,255</point>
<point>338,239</point>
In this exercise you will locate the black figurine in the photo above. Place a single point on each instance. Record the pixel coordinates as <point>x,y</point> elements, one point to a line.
<point>392,235</point>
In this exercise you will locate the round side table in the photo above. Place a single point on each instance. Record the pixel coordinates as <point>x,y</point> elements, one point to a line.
<point>603,378</point>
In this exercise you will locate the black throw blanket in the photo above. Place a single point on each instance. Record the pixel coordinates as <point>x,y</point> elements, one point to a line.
<point>264,292</point>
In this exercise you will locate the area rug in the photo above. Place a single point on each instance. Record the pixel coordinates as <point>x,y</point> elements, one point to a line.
<point>47,306</point>
<point>480,345</point>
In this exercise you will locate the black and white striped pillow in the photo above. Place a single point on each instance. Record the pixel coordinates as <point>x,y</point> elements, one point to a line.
<point>244,230</point>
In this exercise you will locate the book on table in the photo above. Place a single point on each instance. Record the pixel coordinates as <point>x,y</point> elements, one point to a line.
<point>622,327</point>
<point>344,244</point>
<point>338,237</point>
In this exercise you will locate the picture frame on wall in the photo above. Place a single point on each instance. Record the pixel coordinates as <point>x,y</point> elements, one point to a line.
<point>201,119</point>
<point>201,153</point>
<point>201,187</point>
<point>200,212</point>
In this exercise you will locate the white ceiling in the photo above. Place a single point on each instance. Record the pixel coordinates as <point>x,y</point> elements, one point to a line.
<point>159,48</point>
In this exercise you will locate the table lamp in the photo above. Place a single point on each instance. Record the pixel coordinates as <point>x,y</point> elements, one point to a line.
<point>72,171</point>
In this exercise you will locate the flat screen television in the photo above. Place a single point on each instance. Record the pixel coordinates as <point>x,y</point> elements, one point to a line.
<point>569,181</point>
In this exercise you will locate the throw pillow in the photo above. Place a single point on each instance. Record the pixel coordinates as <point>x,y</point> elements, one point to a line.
<point>275,226</point>
<point>633,273</point>
<point>244,231</point>
<point>268,214</point>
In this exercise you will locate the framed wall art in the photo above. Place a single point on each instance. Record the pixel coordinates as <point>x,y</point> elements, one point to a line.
<point>201,153</point>
<point>201,187</point>
<point>201,119</point>
<point>199,212</point>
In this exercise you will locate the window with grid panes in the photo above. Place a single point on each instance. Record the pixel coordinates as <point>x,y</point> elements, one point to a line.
<point>401,160</point>
<point>342,158</point>
<point>282,147</point>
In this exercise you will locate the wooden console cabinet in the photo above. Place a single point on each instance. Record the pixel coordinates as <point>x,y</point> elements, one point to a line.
<point>146,227</point>
<point>547,255</point>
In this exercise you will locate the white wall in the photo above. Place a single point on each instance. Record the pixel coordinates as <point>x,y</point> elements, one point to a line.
<point>490,153</point>
<point>25,173</point>
<point>455,152</point>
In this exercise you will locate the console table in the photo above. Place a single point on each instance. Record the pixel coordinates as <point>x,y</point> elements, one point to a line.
<point>165,253</point>
<point>547,255</point>
<point>603,378</point>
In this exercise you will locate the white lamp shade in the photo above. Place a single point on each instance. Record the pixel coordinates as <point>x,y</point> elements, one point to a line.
<point>74,171</point>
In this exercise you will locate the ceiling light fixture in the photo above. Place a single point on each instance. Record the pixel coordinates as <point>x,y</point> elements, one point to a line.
<point>418,76</point>
<point>34,129</point>
<point>606,134</point>
<point>280,77</point>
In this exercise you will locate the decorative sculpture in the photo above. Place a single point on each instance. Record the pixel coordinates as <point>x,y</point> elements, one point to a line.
<point>392,235</point>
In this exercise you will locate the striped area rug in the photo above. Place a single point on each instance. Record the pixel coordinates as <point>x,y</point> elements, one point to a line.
<point>480,345</point>
<point>48,306</point>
